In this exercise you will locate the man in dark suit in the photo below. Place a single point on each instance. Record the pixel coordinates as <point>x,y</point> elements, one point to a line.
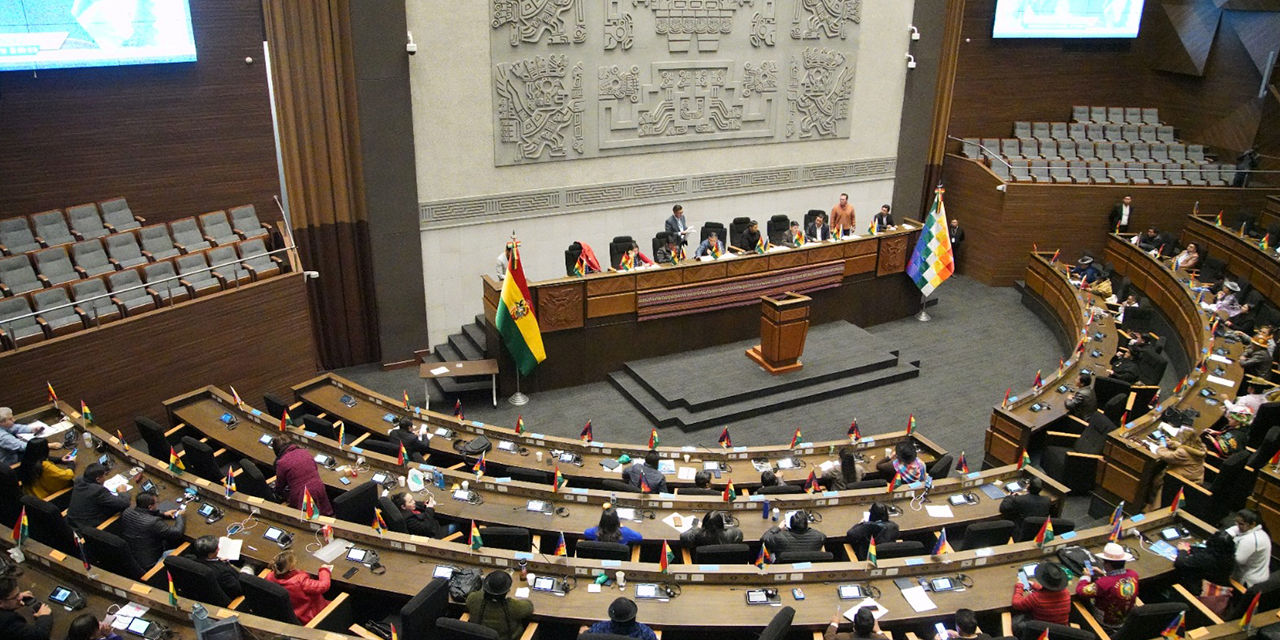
<point>1016,507</point>
<point>818,230</point>
<point>883,220</point>
<point>955,233</point>
<point>750,238</point>
<point>1121,215</point>
<point>206,552</point>
<point>403,432</point>
<point>1125,368</point>
<point>91,502</point>
<point>677,226</point>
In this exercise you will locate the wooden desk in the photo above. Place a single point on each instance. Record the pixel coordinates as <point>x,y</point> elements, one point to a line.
<point>1015,428</point>
<point>323,395</point>
<point>1129,470</point>
<point>1266,497</point>
<point>592,325</point>
<point>465,368</point>
<point>1243,257</point>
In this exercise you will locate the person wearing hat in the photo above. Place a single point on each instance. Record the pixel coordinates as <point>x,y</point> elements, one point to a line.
<point>1227,299</point>
<point>1256,360</point>
<point>1085,271</point>
<point>1048,599</point>
<point>1255,394</point>
<point>622,622</point>
<point>490,607</point>
<point>1253,548</point>
<point>1112,589</point>
<point>1084,402</point>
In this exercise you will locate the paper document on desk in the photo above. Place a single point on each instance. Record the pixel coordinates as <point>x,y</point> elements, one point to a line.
<point>1217,358</point>
<point>117,483</point>
<point>918,599</point>
<point>687,473</point>
<point>667,466</point>
<point>680,523</point>
<point>939,511</point>
<point>1220,381</point>
<point>331,551</point>
<point>229,548</point>
<point>877,610</point>
<point>826,466</point>
<point>439,370</point>
<point>127,613</point>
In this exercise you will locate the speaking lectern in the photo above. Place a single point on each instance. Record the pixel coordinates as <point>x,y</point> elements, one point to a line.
<point>784,323</point>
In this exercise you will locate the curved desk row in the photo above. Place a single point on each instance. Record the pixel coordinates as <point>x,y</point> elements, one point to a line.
<point>1244,258</point>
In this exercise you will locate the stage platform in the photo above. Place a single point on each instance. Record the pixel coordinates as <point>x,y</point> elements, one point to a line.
<point>839,358</point>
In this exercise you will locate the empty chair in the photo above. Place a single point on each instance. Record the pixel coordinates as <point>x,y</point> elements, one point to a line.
<point>46,525</point>
<point>1228,173</point>
<point>1058,131</point>
<point>1123,151</point>
<point>1098,114</point>
<point>1142,152</point>
<point>17,328</point>
<point>1040,170</point>
<point>163,283</point>
<point>1191,174</point>
<point>1147,133</point>
<point>1151,116</point>
<point>58,316</point>
<point>1130,133</point>
<point>195,580</point>
<point>1195,154</point>
<point>244,221</point>
<point>110,552</point>
<point>991,147</point>
<point>1080,113</point>
<point>117,217</point>
<point>357,504</point>
<point>1049,149</point>
<point>1155,174</point>
<point>1085,150</point>
<point>1211,175</point>
<point>971,149</point>
<point>94,301</point>
<point>906,549</point>
<point>128,292</point>
<point>226,266</point>
<point>1159,152</point>
<point>1178,153</point>
<point>196,276</point>
<point>1001,168</point>
<point>269,600</point>
<point>199,459</point>
<point>1034,629</point>
<point>1067,149</point>
<point>1115,171</point>
<point>779,224</point>
<point>16,237</point>
<point>1039,131</point>
<point>1179,178</point>
<point>85,221</point>
<point>1009,148</point>
<point>17,276</point>
<point>1098,172</point>
<point>91,259</point>
<point>1165,135</point>
<point>257,261</point>
<point>1133,115</point>
<point>1022,129</point>
<point>510,538</point>
<point>941,468</point>
<point>1114,132</point>
<point>187,236</point>
<point>55,266</point>
<point>157,244</point>
<point>1078,170</point>
<point>535,476</point>
<point>1058,171</point>
<point>1104,151</point>
<point>1136,172</point>
<point>252,482</point>
<point>1095,132</point>
<point>323,428</point>
<point>986,534</point>
<point>598,550</point>
<point>153,434</point>
<point>1020,170</point>
<point>1148,620</point>
<point>1077,132</point>
<point>1031,526</point>
<point>1115,115</point>
<point>719,554</point>
<point>1030,147</point>
<point>123,251</point>
<point>217,228</point>
<point>51,228</point>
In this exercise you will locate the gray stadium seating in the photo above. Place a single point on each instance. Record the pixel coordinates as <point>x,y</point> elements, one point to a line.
<point>85,221</point>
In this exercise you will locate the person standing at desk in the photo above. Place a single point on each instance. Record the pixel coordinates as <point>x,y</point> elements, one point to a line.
<point>677,227</point>
<point>1253,548</point>
<point>883,220</point>
<point>843,220</point>
<point>1121,214</point>
<point>705,247</point>
<point>818,230</point>
<point>297,474</point>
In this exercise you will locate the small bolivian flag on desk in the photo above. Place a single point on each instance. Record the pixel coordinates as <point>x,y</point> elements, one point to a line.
<point>515,319</point>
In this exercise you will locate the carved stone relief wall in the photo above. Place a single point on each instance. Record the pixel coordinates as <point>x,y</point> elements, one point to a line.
<point>583,79</point>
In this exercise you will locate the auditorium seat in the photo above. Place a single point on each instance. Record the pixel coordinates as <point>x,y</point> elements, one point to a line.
<point>157,244</point>
<point>198,458</point>
<point>123,251</point>
<point>1040,131</point>
<point>1096,132</point>
<point>1078,132</point>
<point>111,553</point>
<point>1211,175</point>
<point>117,216</point>
<point>1267,592</point>
<point>92,298</point>
<point>792,557</point>
<point>659,240</point>
<point>1141,151</point>
<point>1147,133</point>
<point>906,549</point>
<point>153,434</point>
<point>252,482</point>
<point>1151,116</point>
<point>129,293</point>
<point>57,315</point>
<point>1067,149</point>
<point>16,237</point>
<point>1179,176</point>
<point>1086,150</point>
<point>941,468</point>
<point>1123,151</point>
<point>1058,171</point>
<point>779,225</point>
<point>1020,170</point>
<point>1116,172</point>
<point>1149,620</point>
<point>217,228</point>
<point>194,580</point>
<point>1178,153</point>
<point>1115,115</point>
<point>1000,167</point>
<point>460,630</point>
<point>257,261</point>
<point>1104,151</point>
<point>163,283</point>
<point>1058,131</point>
<point>1114,133</point>
<point>1079,113</point>
<point>85,221</point>
<point>738,227</point>
<point>392,515</point>
<point>1155,174</point>
<point>244,221</point>
<point>55,266</point>
<point>1022,129</point>
<point>1151,366</point>
<point>91,259</point>
<point>1098,114</point>
<point>781,489</point>
<point>356,505</point>
<point>196,276</point>
<point>1165,135</point>
<point>51,228</point>
<point>1159,152</point>
<point>971,148</point>
<point>46,525</point>
<point>17,277</point>
<point>991,147</point>
<point>1009,148</point>
<point>18,332</point>
<point>1227,173</point>
<point>1028,148</point>
<point>319,426</point>
<point>187,236</point>
<point>1040,171</point>
<point>510,538</point>
<point>269,600</point>
<point>227,266</point>
<point>1049,150</point>
<point>1076,465</point>
<point>417,618</point>
<point>1079,171</point>
<point>1035,629</point>
<point>1195,154</point>
<point>535,476</point>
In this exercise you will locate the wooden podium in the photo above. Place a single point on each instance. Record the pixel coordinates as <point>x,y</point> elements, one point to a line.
<point>784,323</point>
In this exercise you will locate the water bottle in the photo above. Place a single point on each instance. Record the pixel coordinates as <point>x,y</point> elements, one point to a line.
<point>440,479</point>
<point>764,510</point>
<point>613,500</point>
<point>776,514</point>
<point>88,440</point>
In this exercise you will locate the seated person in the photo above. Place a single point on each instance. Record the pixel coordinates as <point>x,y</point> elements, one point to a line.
<point>1085,271</point>
<point>1017,507</point>
<point>633,259</point>
<point>1243,323</point>
<point>1148,240</point>
<point>845,473</point>
<point>876,527</point>
<point>649,471</point>
<point>712,531</point>
<point>1123,305</point>
<point>1124,368</point>
<point>1189,258</point>
<point>490,607</point>
<point>704,249</point>
<point>669,253</point>
<point>40,476</point>
<point>1255,394</point>
<point>795,535</point>
<point>1225,301</point>
<point>1112,589</point>
<point>865,627</point>
<point>701,485</point>
<point>883,220</point>
<point>817,230</point>
<point>419,518</point>
<point>622,622</point>
<point>87,627</point>
<point>144,528</point>
<point>205,550</point>
<point>770,479</point>
<point>1253,548</point>
<point>1047,601</point>
<point>795,235</point>
<point>305,593</point>
<point>91,503</point>
<point>905,463</point>
<point>1214,562</point>
<point>11,446</point>
<point>610,529</point>
<point>12,625</point>
<point>752,240</point>
<point>414,446</point>
<point>1084,401</point>
<point>1255,359</point>
<point>966,627</point>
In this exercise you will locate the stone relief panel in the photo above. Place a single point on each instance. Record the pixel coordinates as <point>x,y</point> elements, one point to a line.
<point>582,79</point>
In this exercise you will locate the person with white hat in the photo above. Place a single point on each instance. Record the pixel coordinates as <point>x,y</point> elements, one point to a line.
<point>1253,548</point>
<point>1227,300</point>
<point>622,622</point>
<point>1111,590</point>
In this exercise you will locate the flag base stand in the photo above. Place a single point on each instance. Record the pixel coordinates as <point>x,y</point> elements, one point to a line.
<point>923,316</point>
<point>518,399</point>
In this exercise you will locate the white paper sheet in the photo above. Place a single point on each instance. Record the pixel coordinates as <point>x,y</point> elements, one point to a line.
<point>918,599</point>
<point>1223,359</point>
<point>522,592</point>
<point>229,548</point>
<point>687,473</point>
<point>826,466</point>
<point>331,551</point>
<point>593,588</point>
<point>116,483</point>
<point>939,511</point>
<point>680,523</point>
<point>877,609</point>
<point>1220,381</point>
<point>439,370</point>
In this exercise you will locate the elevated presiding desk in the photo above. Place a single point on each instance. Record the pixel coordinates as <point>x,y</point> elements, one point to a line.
<point>711,598</point>
<point>591,325</point>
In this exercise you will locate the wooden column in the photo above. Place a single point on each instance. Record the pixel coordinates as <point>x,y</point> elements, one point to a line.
<point>784,324</point>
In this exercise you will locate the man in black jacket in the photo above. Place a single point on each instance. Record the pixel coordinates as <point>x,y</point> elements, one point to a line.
<point>146,532</point>
<point>15,627</point>
<point>419,519</point>
<point>1028,505</point>
<point>403,432</point>
<point>1121,215</point>
<point>1125,369</point>
<point>91,502</point>
<point>206,552</point>
<point>796,537</point>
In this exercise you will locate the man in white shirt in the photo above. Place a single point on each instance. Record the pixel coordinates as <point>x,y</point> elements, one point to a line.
<point>1121,214</point>
<point>1253,549</point>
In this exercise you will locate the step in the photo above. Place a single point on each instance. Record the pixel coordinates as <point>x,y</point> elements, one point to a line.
<point>467,349</point>
<point>475,333</point>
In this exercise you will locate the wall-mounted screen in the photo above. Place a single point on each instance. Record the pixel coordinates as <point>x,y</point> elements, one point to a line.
<point>56,34</point>
<point>1067,18</point>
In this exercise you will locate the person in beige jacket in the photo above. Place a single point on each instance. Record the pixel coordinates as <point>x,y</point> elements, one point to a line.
<point>1185,456</point>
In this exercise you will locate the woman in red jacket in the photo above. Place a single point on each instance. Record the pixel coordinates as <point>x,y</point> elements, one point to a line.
<point>296,473</point>
<point>305,593</point>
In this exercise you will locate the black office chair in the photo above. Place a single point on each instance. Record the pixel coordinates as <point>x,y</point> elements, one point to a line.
<point>276,406</point>
<point>267,599</point>
<point>194,580</point>
<point>10,493</point>
<point>1107,388</point>
<point>601,550</point>
<point>153,435</point>
<point>46,525</point>
<point>111,553</point>
<point>618,485</point>
<point>736,228</point>
<point>571,256</point>
<point>722,554</point>
<point>780,626</point>
<point>1212,269</point>
<point>252,482</point>
<point>805,556</point>
<point>356,505</point>
<point>1033,629</point>
<point>721,232</point>
<point>1268,600</point>
<point>319,426</point>
<point>602,636</point>
<point>781,489</point>
<point>1114,410</point>
<point>659,241</point>
<point>777,228</point>
<point>384,447</point>
<point>899,549</point>
<point>1148,620</point>
<point>1151,366</point>
<point>1141,318</point>
<point>698,491</point>
<point>392,515</point>
<point>1075,466</point>
<point>198,458</point>
<point>1264,420</point>
<point>941,468</point>
<point>535,476</point>
<point>1267,448</point>
<point>1031,527</point>
<point>986,534</point>
<point>618,246</point>
<point>813,213</point>
<point>872,483</point>
<point>457,629</point>
<point>417,618</point>
<point>511,538</point>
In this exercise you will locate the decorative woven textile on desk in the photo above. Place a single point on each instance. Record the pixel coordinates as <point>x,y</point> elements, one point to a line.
<point>736,292</point>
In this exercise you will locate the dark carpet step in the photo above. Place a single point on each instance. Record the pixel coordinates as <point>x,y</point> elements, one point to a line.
<point>465,347</point>
<point>475,333</point>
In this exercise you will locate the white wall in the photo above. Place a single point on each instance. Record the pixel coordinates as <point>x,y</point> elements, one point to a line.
<point>453,132</point>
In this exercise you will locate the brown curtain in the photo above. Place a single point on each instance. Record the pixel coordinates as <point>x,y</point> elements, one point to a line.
<point>311,64</point>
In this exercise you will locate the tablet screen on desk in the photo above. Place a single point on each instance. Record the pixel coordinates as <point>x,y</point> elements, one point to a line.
<point>942,584</point>
<point>442,571</point>
<point>536,505</point>
<point>139,626</point>
<point>442,432</point>
<point>228,419</point>
<point>1170,534</point>
<point>544,584</point>
<point>273,534</point>
<point>357,555</point>
<point>648,591</point>
<point>205,510</point>
<point>60,595</point>
<point>850,592</point>
<point>568,457</point>
<point>505,445</point>
<point>757,597</point>
<point>379,478</point>
<point>266,439</point>
<point>1013,487</point>
<point>786,463</point>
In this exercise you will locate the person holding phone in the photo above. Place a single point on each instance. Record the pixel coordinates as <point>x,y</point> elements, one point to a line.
<point>306,594</point>
<point>966,627</point>
<point>1047,601</point>
<point>13,626</point>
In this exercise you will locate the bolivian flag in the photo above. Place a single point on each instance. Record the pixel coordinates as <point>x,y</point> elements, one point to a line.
<point>515,319</point>
<point>476,542</point>
<point>871,551</point>
<point>173,593</point>
<point>175,462</point>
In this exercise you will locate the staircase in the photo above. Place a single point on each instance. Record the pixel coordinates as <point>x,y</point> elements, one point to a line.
<point>468,344</point>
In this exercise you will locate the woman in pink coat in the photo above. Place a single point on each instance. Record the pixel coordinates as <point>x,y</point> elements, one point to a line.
<point>296,474</point>
<point>305,593</point>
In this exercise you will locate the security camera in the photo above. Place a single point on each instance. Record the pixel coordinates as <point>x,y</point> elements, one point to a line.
<point>412,48</point>
<point>911,61</point>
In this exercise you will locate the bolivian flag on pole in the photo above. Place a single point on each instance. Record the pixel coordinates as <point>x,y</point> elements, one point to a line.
<point>515,320</point>
<point>932,262</point>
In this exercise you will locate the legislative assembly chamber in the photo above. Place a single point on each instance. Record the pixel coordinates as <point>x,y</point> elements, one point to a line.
<point>655,319</point>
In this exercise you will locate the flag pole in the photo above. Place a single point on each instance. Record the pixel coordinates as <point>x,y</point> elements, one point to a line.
<point>923,316</point>
<point>518,399</point>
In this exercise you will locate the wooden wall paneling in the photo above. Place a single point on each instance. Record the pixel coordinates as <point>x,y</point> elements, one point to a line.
<point>174,139</point>
<point>257,338</point>
<point>972,198</point>
<point>1177,36</point>
<point>894,254</point>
